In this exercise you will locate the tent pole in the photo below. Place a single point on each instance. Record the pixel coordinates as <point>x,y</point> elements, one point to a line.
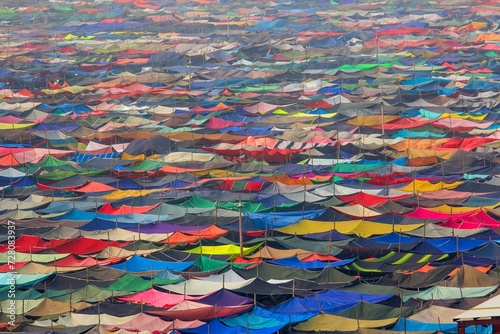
<point>70,296</point>
<point>338,146</point>
<point>304,203</point>
<point>216,212</point>
<point>265,237</point>
<point>399,239</point>
<point>240,228</point>
<point>199,241</point>
<point>415,189</point>
<point>357,314</point>
<point>401,306</point>
<point>496,262</point>
<point>330,246</point>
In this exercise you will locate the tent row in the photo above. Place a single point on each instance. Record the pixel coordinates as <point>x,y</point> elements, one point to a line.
<point>261,167</point>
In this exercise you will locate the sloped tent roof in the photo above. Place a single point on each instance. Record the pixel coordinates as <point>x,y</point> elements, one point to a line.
<point>268,104</point>
<point>50,307</point>
<point>253,321</point>
<point>140,264</point>
<point>153,145</point>
<point>303,308</point>
<point>436,314</point>
<point>486,310</point>
<point>467,276</point>
<point>268,271</point>
<point>144,322</point>
<point>368,311</point>
<point>157,298</point>
<point>190,310</point>
<point>327,322</point>
<point>195,287</point>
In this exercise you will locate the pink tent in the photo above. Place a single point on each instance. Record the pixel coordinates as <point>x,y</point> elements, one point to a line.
<point>144,322</point>
<point>157,298</point>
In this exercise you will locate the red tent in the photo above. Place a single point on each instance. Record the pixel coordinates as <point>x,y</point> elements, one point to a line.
<point>9,161</point>
<point>95,187</point>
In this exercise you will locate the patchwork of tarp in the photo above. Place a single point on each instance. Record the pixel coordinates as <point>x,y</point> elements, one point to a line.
<point>248,167</point>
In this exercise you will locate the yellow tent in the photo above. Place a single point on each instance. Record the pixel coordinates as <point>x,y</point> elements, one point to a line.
<point>358,227</point>
<point>418,186</point>
<point>223,250</point>
<point>328,322</point>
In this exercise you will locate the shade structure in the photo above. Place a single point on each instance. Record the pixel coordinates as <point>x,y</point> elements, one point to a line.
<point>215,166</point>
